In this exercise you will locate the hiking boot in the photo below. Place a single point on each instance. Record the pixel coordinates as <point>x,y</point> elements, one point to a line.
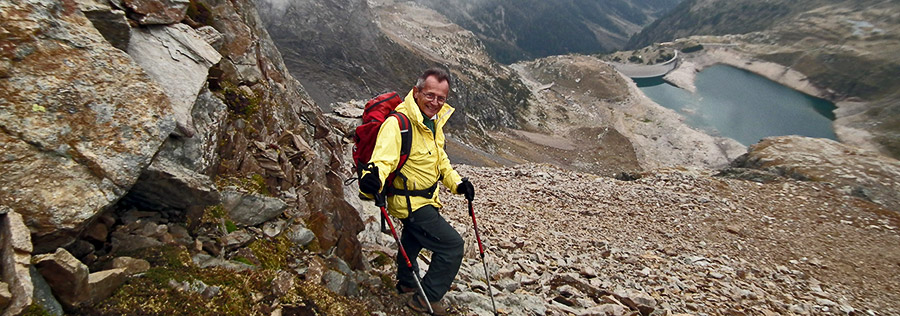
<point>403,289</point>
<point>417,303</point>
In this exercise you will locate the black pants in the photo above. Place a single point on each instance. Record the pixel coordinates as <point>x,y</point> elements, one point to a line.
<point>426,228</point>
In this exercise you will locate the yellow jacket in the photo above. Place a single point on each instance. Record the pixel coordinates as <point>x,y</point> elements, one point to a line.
<point>427,160</point>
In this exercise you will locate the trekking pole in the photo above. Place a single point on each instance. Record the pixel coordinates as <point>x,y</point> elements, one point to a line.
<point>379,201</point>
<point>487,276</point>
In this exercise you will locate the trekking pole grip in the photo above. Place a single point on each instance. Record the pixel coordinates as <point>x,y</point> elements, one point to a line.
<point>379,200</point>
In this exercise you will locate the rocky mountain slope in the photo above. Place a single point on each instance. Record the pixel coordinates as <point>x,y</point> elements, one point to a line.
<point>169,131</point>
<point>384,48</point>
<point>676,241</point>
<point>158,158</point>
<point>845,48</point>
<point>522,30</point>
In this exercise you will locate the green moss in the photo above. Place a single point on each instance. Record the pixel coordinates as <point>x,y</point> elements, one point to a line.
<point>381,259</point>
<point>240,104</point>
<point>256,183</point>
<point>244,261</point>
<point>272,254</point>
<point>152,294</point>
<point>35,310</point>
<point>230,227</point>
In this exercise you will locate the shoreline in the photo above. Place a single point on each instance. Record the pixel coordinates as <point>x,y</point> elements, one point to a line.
<point>684,75</point>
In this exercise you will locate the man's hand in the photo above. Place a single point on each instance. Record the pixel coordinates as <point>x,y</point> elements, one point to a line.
<point>466,187</point>
<point>370,184</point>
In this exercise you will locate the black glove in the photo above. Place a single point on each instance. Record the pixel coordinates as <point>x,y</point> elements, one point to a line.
<point>466,187</point>
<point>370,183</point>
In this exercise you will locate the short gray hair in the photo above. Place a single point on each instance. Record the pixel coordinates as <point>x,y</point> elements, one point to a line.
<point>439,73</point>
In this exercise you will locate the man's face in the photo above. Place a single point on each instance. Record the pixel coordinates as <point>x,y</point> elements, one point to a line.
<point>432,96</point>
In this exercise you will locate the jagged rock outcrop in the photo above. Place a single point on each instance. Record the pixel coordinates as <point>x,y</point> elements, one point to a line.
<point>78,118</point>
<point>151,12</point>
<point>15,258</point>
<point>111,23</point>
<point>275,131</point>
<point>854,171</point>
<point>249,209</point>
<point>178,58</point>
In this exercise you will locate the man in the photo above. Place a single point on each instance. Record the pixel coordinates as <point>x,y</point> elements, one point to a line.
<point>415,198</point>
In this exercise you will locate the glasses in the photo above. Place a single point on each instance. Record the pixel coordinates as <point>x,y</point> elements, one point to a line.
<point>431,97</point>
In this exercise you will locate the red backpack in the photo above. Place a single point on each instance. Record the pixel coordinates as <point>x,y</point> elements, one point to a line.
<point>377,110</point>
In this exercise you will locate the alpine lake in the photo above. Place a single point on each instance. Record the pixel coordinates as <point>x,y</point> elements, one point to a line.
<point>744,106</point>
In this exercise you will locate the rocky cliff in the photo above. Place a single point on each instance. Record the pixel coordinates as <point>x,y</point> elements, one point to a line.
<point>167,127</point>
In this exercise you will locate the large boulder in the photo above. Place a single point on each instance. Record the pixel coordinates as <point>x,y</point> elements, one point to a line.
<point>856,171</point>
<point>178,58</point>
<point>67,277</point>
<point>78,118</point>
<point>177,177</point>
<point>248,209</point>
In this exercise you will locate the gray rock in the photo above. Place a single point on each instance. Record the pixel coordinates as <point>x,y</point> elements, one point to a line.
<point>198,153</point>
<point>349,111</point>
<point>43,295</point>
<point>104,283</point>
<point>282,284</point>
<point>5,295</point>
<point>248,209</point>
<point>178,59</point>
<point>274,228</point>
<point>150,12</point>
<point>863,173</point>
<point>181,234</point>
<point>86,121</point>
<point>112,24</point>
<point>605,310</point>
<point>97,232</point>
<point>15,259</point>
<point>637,300</point>
<point>236,239</point>
<point>128,242</point>
<point>479,304</point>
<point>211,36</point>
<point>335,281</point>
<point>67,276</point>
<point>196,286</point>
<point>508,285</point>
<point>166,184</point>
<point>131,265</point>
<point>204,261</point>
<point>340,264</point>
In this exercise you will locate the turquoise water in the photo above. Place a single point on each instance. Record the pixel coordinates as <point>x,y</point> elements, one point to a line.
<point>735,103</point>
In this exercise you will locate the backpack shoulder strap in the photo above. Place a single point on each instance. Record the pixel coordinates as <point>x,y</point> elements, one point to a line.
<point>405,138</point>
